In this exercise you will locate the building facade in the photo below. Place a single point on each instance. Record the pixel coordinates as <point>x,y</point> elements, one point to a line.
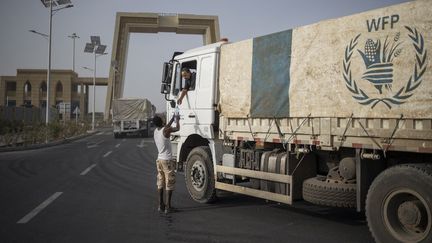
<point>68,92</point>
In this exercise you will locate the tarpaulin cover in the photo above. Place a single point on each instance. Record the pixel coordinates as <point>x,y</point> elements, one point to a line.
<point>374,64</point>
<point>270,75</point>
<point>132,109</point>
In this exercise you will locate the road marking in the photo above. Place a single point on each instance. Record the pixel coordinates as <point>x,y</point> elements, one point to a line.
<point>108,153</point>
<point>88,169</point>
<point>124,139</point>
<point>141,144</point>
<point>118,145</point>
<point>101,133</point>
<point>39,208</point>
<point>95,144</point>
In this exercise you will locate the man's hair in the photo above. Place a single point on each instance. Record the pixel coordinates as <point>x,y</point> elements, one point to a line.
<point>157,121</point>
<point>186,70</point>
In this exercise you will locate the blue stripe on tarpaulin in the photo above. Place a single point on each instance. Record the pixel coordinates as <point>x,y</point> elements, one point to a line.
<point>271,59</point>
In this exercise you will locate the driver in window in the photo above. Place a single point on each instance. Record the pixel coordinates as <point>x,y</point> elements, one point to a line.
<point>189,79</point>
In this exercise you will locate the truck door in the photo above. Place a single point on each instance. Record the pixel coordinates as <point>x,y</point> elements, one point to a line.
<point>187,108</point>
<point>205,89</point>
<point>197,108</point>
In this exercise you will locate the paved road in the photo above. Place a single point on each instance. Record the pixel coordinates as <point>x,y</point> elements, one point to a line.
<point>101,189</point>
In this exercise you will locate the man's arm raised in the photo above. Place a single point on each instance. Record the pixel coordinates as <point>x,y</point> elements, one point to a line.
<point>168,129</point>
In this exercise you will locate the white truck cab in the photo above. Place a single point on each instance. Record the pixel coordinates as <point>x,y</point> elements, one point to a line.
<point>197,111</point>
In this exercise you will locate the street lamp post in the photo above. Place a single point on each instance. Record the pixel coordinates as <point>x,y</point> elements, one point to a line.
<point>50,3</point>
<point>97,49</point>
<point>39,33</point>
<point>94,92</point>
<point>47,108</point>
<point>114,65</point>
<point>73,37</point>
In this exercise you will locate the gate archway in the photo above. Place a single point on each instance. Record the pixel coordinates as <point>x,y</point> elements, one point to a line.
<point>205,25</point>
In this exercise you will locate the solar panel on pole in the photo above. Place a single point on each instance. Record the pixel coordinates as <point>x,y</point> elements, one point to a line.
<point>100,49</point>
<point>49,4</point>
<point>95,40</point>
<point>63,2</point>
<point>89,48</point>
<point>46,3</point>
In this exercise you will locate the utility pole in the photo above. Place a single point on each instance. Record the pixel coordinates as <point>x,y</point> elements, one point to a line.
<point>73,37</point>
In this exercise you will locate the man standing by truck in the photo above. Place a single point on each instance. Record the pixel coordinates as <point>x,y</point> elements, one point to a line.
<point>164,163</point>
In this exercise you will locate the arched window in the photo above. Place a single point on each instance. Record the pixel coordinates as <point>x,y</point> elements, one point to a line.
<point>43,87</point>
<point>27,94</point>
<point>27,87</point>
<point>42,94</point>
<point>59,90</point>
<point>59,87</point>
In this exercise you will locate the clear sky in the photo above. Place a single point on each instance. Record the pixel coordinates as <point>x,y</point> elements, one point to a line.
<point>238,20</point>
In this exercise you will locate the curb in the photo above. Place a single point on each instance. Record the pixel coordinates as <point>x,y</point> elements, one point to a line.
<point>46,145</point>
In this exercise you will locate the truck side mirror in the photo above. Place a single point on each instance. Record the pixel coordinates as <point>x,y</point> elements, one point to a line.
<point>165,88</point>
<point>166,73</point>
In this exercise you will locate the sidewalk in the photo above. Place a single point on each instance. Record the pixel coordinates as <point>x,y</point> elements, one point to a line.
<point>45,145</point>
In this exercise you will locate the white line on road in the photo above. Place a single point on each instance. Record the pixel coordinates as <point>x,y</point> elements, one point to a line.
<point>101,133</point>
<point>39,208</point>
<point>95,144</point>
<point>88,169</point>
<point>141,144</point>
<point>118,145</point>
<point>124,139</point>
<point>108,153</point>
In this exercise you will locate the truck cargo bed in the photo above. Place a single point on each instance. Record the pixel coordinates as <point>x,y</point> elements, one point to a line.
<point>397,134</point>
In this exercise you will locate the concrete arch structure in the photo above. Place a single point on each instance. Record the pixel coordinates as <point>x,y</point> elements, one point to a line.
<point>207,26</point>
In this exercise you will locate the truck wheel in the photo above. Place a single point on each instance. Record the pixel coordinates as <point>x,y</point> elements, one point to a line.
<point>399,204</point>
<point>317,190</point>
<point>199,175</point>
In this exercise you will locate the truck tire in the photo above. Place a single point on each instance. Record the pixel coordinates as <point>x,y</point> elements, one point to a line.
<point>399,204</point>
<point>317,190</point>
<point>199,175</point>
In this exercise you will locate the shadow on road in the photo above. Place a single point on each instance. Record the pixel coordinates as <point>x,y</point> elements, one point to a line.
<point>232,200</point>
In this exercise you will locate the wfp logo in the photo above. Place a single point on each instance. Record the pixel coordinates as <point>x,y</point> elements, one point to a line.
<point>379,58</point>
<point>378,61</point>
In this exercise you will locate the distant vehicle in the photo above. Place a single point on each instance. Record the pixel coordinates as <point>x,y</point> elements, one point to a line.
<point>132,115</point>
<point>336,113</point>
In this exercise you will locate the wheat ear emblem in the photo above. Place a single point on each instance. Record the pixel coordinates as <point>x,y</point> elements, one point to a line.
<point>379,68</point>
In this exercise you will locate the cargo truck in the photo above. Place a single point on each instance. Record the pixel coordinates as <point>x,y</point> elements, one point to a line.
<point>132,115</point>
<point>336,113</point>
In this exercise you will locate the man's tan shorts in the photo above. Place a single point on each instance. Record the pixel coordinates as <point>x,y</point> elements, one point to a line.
<point>166,174</point>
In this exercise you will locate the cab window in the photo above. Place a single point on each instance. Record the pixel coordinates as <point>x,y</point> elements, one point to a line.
<point>192,67</point>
